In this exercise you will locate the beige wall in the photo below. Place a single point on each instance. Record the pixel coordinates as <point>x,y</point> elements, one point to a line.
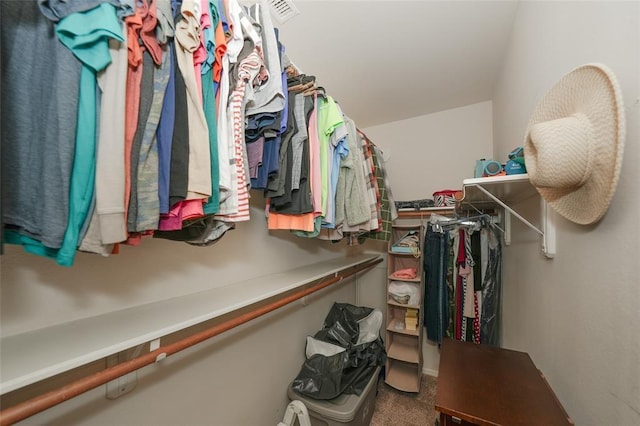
<point>577,315</point>
<point>435,151</point>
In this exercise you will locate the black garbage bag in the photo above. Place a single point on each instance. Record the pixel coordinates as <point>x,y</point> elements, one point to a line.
<point>342,356</point>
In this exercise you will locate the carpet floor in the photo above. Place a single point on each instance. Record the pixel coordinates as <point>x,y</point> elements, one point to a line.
<point>397,408</point>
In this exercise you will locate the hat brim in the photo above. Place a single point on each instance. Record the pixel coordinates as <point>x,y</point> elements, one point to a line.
<point>592,90</point>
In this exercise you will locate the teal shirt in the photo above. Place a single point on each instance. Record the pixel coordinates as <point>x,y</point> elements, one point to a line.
<point>209,102</point>
<point>209,105</point>
<point>87,35</point>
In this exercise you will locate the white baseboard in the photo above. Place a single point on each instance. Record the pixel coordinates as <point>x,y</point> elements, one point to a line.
<point>430,372</point>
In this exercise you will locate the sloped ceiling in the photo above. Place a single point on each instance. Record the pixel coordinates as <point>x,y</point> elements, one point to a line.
<point>385,61</point>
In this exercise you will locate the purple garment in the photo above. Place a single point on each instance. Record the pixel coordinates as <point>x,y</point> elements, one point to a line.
<point>285,111</point>
<point>164,136</point>
<point>254,154</point>
<point>270,162</point>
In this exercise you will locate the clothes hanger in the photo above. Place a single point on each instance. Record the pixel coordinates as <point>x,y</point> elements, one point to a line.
<point>299,88</point>
<point>442,223</point>
<point>310,91</point>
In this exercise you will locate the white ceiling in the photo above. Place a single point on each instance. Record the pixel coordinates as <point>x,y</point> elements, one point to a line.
<point>385,61</point>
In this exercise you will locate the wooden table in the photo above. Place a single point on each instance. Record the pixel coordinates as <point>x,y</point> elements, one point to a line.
<point>485,385</point>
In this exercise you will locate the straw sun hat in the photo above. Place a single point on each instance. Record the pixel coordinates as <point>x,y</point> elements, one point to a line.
<point>574,143</point>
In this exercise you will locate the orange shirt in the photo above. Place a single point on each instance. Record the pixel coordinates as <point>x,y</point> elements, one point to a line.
<point>132,103</point>
<point>296,222</point>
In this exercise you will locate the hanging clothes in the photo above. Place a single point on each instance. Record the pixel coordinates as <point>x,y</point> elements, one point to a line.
<point>492,291</point>
<point>162,115</point>
<point>387,212</point>
<point>462,296</point>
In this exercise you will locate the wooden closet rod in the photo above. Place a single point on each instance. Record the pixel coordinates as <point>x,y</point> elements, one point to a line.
<point>47,400</point>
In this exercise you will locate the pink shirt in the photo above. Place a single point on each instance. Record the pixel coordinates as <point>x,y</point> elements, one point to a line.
<point>184,210</point>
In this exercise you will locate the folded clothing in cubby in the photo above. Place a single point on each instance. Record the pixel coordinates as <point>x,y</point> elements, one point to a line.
<point>404,293</point>
<point>408,243</point>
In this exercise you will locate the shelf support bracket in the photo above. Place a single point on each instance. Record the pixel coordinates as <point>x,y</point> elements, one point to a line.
<point>508,209</point>
<point>549,228</point>
<point>507,228</point>
<point>548,231</point>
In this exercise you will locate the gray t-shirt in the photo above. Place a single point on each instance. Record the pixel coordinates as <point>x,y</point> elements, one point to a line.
<point>40,81</point>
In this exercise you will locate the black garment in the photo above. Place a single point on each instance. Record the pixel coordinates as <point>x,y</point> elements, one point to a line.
<point>204,231</point>
<point>279,189</point>
<point>179,173</point>
<point>476,253</point>
<point>301,200</point>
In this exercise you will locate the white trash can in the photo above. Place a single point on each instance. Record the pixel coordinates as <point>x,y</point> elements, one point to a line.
<point>352,410</point>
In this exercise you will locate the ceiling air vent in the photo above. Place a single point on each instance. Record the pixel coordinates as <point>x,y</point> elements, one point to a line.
<point>283,10</point>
